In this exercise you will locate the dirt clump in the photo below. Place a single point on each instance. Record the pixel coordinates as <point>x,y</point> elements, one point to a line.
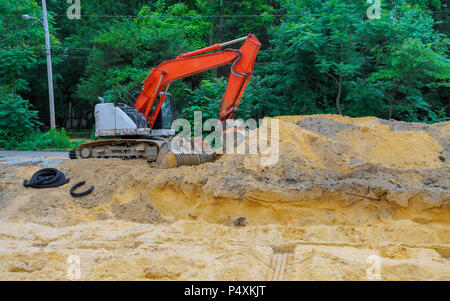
<point>139,210</point>
<point>324,126</point>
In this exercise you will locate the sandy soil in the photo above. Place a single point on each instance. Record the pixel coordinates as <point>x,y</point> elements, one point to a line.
<point>343,190</point>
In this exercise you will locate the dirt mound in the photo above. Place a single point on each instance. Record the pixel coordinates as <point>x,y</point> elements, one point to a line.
<point>391,144</point>
<point>343,189</point>
<point>324,126</point>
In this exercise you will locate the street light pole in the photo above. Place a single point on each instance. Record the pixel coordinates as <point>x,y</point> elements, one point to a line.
<point>49,66</point>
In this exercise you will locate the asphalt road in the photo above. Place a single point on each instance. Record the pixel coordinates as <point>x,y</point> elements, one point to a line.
<point>27,157</point>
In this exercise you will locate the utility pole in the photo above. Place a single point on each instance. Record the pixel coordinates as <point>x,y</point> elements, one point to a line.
<point>49,61</point>
<point>49,66</point>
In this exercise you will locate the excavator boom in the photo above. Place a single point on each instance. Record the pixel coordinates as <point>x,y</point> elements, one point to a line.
<point>188,64</point>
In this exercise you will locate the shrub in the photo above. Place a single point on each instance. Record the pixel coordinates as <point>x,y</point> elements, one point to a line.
<point>17,120</point>
<point>53,139</point>
<point>206,99</point>
<point>18,127</point>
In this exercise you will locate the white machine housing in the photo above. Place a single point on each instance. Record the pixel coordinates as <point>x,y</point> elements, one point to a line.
<point>112,121</point>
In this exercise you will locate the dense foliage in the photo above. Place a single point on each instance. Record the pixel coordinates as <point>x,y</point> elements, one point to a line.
<point>17,120</point>
<point>18,127</point>
<point>396,66</point>
<point>316,57</point>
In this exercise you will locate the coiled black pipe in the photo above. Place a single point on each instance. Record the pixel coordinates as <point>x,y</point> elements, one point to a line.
<point>46,178</point>
<point>78,194</point>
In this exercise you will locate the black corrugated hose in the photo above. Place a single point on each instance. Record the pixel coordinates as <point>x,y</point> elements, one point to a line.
<point>46,178</point>
<point>78,194</point>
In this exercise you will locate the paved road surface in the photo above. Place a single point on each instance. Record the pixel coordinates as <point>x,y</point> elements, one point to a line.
<point>27,157</point>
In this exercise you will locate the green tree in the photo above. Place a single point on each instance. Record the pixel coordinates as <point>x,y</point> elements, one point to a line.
<point>316,56</point>
<point>22,58</point>
<point>19,41</point>
<point>17,120</point>
<point>411,67</point>
<point>128,49</point>
<point>329,50</point>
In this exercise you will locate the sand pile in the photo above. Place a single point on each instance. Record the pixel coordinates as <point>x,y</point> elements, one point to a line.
<point>343,189</point>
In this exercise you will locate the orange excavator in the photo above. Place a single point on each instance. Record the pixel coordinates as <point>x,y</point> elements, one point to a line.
<point>143,131</point>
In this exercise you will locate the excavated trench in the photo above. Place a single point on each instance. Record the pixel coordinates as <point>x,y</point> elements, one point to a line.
<point>343,190</point>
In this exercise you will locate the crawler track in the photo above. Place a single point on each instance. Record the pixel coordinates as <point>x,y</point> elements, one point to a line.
<point>120,148</point>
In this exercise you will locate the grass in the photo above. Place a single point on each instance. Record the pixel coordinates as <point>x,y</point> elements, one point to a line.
<point>82,134</point>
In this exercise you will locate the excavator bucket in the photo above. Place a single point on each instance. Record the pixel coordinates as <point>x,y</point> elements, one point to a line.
<point>170,154</point>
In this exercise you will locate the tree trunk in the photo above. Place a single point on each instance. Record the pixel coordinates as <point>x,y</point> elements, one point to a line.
<point>338,97</point>
<point>391,102</point>
<point>71,115</point>
<point>80,119</point>
<point>66,109</point>
<point>221,19</point>
<point>390,108</point>
<point>212,37</point>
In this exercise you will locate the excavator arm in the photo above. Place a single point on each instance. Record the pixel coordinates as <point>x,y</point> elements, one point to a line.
<point>187,64</point>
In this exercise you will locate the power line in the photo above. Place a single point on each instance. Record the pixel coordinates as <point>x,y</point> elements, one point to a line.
<point>182,16</point>
<point>19,31</point>
<point>185,16</point>
<point>76,48</point>
<point>200,16</point>
<point>43,47</point>
<point>207,16</point>
<point>176,16</point>
<point>19,48</point>
<point>63,56</point>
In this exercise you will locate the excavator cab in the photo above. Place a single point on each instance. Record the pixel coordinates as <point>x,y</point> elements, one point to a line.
<point>166,115</point>
<point>116,120</point>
